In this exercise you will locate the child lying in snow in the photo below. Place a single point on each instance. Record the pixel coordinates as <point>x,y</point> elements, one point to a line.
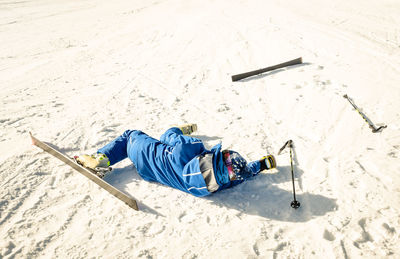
<point>178,160</point>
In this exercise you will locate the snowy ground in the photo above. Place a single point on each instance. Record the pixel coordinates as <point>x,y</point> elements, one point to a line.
<point>78,73</point>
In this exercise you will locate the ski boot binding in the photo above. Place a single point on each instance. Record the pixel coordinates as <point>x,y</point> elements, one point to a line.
<point>98,163</point>
<point>188,129</point>
<point>268,162</point>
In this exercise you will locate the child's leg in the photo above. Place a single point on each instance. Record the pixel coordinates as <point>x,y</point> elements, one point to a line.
<point>174,136</point>
<point>116,149</point>
<point>241,168</point>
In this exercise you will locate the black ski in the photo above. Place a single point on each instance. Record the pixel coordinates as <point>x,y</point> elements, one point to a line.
<point>129,200</point>
<point>263,70</point>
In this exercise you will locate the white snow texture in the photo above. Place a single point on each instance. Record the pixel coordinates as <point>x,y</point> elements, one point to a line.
<point>79,73</point>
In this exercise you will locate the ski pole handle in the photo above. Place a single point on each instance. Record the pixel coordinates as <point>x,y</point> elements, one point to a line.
<point>263,70</point>
<point>288,143</point>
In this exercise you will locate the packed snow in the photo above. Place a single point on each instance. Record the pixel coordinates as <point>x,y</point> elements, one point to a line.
<point>77,74</point>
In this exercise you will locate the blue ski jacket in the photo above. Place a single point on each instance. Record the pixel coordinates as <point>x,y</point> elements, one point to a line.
<point>175,160</point>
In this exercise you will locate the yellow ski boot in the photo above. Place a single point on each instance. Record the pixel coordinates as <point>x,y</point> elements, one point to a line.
<point>268,162</point>
<point>188,129</point>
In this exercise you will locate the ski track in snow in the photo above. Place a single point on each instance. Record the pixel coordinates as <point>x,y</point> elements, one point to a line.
<point>93,69</point>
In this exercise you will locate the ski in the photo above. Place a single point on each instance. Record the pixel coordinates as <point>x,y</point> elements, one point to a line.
<point>267,69</point>
<point>91,174</point>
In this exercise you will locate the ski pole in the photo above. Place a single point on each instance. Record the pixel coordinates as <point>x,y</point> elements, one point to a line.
<point>368,121</point>
<point>294,204</point>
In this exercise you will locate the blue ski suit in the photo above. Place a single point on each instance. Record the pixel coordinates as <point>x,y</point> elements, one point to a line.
<point>179,161</point>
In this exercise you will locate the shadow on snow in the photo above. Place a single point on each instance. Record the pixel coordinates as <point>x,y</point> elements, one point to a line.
<point>259,196</point>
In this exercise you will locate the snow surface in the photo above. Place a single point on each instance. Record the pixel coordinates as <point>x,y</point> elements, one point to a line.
<point>79,73</point>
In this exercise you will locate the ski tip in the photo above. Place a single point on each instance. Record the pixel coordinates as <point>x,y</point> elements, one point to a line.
<point>32,138</point>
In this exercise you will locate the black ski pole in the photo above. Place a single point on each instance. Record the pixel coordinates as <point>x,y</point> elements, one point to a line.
<point>295,204</point>
<point>368,121</point>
